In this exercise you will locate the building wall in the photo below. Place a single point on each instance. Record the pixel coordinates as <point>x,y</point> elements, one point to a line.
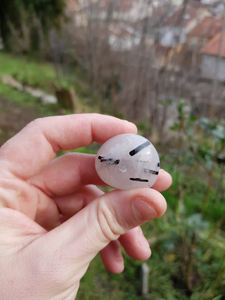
<point>123,43</point>
<point>209,66</point>
<point>200,16</point>
<point>172,36</point>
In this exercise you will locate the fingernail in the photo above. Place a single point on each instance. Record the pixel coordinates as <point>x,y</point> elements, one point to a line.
<point>142,240</point>
<point>143,211</point>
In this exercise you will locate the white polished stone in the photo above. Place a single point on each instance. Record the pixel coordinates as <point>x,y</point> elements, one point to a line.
<point>128,161</point>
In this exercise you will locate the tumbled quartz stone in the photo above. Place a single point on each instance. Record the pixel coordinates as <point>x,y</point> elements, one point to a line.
<point>128,161</point>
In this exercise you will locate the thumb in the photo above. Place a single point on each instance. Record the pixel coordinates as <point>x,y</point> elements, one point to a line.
<point>80,238</point>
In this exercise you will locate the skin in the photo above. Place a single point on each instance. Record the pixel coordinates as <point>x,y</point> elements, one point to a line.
<point>53,218</point>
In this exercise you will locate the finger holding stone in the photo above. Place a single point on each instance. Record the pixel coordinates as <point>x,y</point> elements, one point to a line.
<point>135,244</point>
<point>69,205</point>
<point>112,258</point>
<point>163,181</point>
<point>67,174</point>
<point>44,137</point>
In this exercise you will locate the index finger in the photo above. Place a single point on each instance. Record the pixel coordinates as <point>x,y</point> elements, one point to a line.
<point>36,145</point>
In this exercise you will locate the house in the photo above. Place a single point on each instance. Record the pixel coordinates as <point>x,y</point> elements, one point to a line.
<point>213,58</point>
<point>73,11</point>
<point>179,24</point>
<point>204,31</point>
<point>125,20</point>
<point>201,34</point>
<point>117,10</point>
<point>130,11</point>
<point>123,37</point>
<point>150,26</point>
<point>73,5</point>
<point>126,35</point>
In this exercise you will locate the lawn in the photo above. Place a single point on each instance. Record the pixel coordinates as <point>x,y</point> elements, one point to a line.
<point>19,108</point>
<point>28,72</point>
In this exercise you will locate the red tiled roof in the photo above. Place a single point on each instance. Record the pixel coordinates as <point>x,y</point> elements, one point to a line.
<point>214,44</point>
<point>159,14</point>
<point>122,30</point>
<point>207,28</point>
<point>179,18</point>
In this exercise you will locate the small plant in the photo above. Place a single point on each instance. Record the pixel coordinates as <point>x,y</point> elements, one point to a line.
<point>190,238</point>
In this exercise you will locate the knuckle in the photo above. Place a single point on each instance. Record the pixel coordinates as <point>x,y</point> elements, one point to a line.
<point>109,224</point>
<point>36,124</point>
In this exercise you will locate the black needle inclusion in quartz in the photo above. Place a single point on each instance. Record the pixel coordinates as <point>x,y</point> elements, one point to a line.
<point>109,161</point>
<point>151,171</point>
<point>139,148</point>
<point>139,179</point>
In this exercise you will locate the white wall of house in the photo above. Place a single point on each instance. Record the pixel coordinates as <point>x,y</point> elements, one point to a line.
<point>123,43</point>
<point>172,36</point>
<point>139,10</point>
<point>211,69</point>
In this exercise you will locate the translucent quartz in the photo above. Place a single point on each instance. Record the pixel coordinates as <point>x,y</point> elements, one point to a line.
<point>128,161</point>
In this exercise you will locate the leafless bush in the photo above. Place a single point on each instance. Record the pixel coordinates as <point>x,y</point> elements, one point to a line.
<point>128,69</point>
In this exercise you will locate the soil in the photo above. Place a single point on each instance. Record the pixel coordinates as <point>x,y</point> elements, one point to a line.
<point>13,117</point>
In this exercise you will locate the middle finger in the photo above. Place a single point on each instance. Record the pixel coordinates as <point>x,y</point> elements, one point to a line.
<point>67,174</point>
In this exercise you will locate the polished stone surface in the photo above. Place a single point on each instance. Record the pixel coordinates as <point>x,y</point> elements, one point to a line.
<point>128,161</point>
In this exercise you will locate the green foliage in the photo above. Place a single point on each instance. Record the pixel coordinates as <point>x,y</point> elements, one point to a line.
<point>188,242</point>
<point>144,129</point>
<point>165,103</point>
<point>100,284</point>
<point>112,86</point>
<point>35,40</point>
<point>108,99</point>
<point>19,12</point>
<point>196,237</point>
<point>221,297</point>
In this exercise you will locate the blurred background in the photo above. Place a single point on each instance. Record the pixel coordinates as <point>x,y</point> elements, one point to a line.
<point>160,64</point>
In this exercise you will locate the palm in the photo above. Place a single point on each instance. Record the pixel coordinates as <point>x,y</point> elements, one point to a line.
<point>38,193</point>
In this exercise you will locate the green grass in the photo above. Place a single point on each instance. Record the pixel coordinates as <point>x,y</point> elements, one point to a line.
<point>14,102</point>
<point>39,75</point>
<point>36,74</point>
<point>42,75</point>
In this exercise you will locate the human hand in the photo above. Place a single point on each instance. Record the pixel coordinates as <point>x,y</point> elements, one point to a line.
<point>54,220</point>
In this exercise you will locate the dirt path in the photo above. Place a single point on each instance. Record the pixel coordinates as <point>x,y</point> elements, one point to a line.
<point>13,117</point>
